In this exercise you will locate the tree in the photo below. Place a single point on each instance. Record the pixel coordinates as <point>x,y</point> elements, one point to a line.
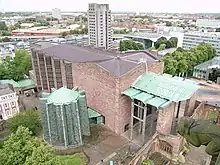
<point>162,47</point>
<point>173,41</point>
<point>182,61</point>
<point>160,41</point>
<point>64,34</point>
<point>217,30</point>
<point>22,63</point>
<point>5,39</point>
<point>3,26</point>
<point>130,45</point>
<point>29,119</point>
<point>23,149</point>
<point>168,23</point>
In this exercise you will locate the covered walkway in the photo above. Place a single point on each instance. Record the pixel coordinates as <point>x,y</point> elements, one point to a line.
<point>151,95</point>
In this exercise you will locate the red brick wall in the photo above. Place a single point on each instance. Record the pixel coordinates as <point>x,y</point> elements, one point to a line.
<point>155,67</point>
<point>165,118</point>
<point>103,92</point>
<point>125,102</point>
<point>100,89</point>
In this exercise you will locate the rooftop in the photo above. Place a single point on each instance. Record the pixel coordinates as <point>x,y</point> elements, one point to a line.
<point>157,90</point>
<point>63,96</point>
<point>150,36</point>
<point>113,62</point>
<point>6,89</point>
<point>213,63</point>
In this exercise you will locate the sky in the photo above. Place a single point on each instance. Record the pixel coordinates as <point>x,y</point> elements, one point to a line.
<point>174,6</point>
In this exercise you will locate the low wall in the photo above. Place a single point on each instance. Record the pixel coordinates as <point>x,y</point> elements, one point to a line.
<point>167,145</point>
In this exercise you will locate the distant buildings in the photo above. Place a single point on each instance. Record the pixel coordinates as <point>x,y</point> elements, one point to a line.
<point>99,25</point>
<point>205,70</point>
<point>102,74</point>
<point>40,31</point>
<point>193,39</point>
<point>65,117</point>
<point>56,13</point>
<point>208,23</point>
<point>8,102</point>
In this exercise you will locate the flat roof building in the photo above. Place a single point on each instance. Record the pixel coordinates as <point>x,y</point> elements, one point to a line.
<point>208,23</point>
<point>193,39</point>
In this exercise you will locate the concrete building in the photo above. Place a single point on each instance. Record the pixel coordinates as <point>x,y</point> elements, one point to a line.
<point>8,102</point>
<point>56,13</point>
<point>102,74</point>
<point>99,25</point>
<point>65,117</point>
<point>193,39</point>
<point>205,70</point>
<point>208,23</point>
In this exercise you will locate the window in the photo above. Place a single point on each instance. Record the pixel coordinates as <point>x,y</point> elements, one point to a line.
<point>7,113</point>
<point>6,105</point>
<point>14,110</point>
<point>13,103</point>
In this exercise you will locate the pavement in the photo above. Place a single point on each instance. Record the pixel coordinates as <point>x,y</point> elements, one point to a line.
<point>106,150</point>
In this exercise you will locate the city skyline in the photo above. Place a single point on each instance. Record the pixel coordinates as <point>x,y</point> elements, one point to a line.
<point>171,6</point>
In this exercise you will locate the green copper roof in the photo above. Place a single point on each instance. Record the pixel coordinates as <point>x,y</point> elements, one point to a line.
<point>63,96</point>
<point>156,101</point>
<point>144,97</point>
<point>170,88</point>
<point>131,92</point>
<point>12,82</point>
<point>26,83</point>
<point>92,113</point>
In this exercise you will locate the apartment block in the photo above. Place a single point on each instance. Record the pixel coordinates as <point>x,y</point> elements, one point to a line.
<point>193,39</point>
<point>99,25</point>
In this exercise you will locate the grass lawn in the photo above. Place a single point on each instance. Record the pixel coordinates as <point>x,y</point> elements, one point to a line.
<point>76,159</point>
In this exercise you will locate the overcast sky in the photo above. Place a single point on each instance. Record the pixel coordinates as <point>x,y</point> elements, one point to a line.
<point>189,6</point>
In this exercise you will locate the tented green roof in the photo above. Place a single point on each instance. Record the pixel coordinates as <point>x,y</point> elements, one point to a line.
<point>131,92</point>
<point>156,101</point>
<point>161,90</point>
<point>92,113</point>
<point>26,83</point>
<point>170,88</point>
<point>63,95</point>
<point>144,97</point>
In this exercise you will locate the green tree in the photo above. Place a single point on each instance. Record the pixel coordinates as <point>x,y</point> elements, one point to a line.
<point>173,41</point>
<point>22,62</point>
<point>23,149</point>
<point>147,162</point>
<point>3,26</point>
<point>162,47</point>
<point>5,39</point>
<point>160,41</point>
<point>168,23</point>
<point>122,46</point>
<point>182,61</point>
<point>130,45</point>
<point>29,119</point>
<point>217,30</point>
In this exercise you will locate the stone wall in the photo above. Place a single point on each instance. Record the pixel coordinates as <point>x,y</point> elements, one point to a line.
<point>165,118</point>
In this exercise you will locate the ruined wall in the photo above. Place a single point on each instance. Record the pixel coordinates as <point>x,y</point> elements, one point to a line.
<point>165,118</point>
